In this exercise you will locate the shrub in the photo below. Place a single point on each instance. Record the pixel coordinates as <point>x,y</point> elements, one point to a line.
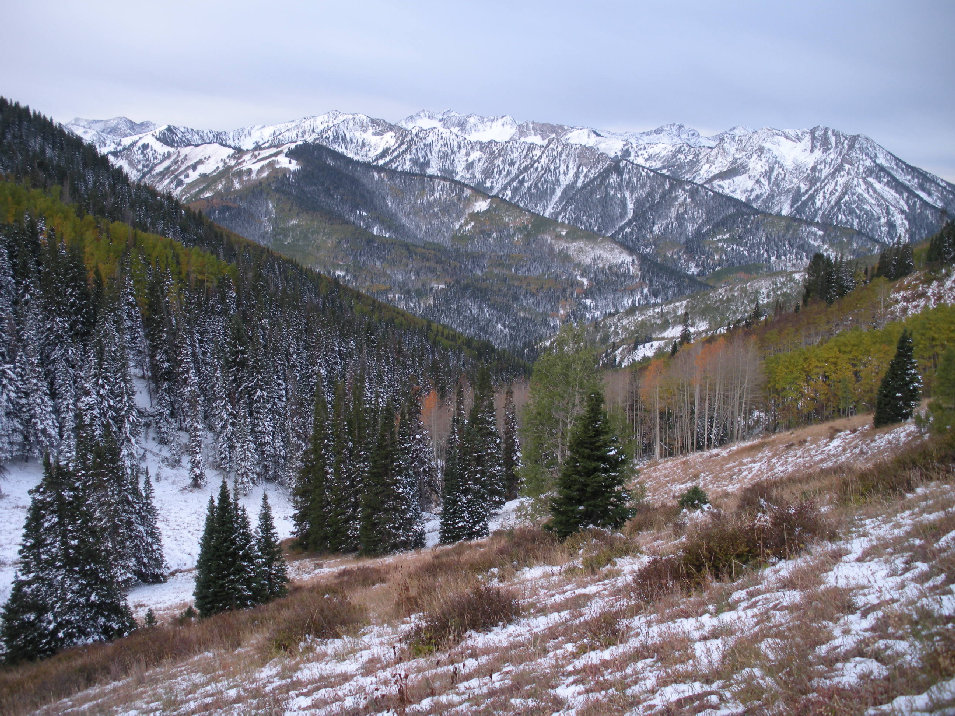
<point>693,499</point>
<point>320,616</point>
<point>725,544</point>
<point>478,609</point>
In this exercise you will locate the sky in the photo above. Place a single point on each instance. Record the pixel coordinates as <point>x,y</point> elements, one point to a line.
<point>884,69</point>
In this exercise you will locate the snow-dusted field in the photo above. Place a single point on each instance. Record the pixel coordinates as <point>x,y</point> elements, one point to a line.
<point>849,625</point>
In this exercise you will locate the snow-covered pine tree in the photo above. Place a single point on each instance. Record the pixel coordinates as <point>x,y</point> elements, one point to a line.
<point>312,495</point>
<point>65,591</point>
<point>192,409</point>
<point>382,520</point>
<point>99,470</point>
<point>245,459</point>
<point>901,387</point>
<point>272,570</point>
<point>483,452</point>
<point>208,571</point>
<point>10,428</point>
<point>34,402</point>
<point>590,489</point>
<point>243,583</point>
<point>511,447</point>
<point>413,468</point>
<point>453,527</point>
<point>150,564</point>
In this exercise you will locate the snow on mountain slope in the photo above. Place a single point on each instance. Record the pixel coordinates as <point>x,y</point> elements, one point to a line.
<point>696,203</point>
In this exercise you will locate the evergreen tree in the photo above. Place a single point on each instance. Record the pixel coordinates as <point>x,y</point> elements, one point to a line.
<point>685,334</point>
<point>562,378</point>
<point>590,491</point>
<point>511,446</point>
<point>227,566</point>
<point>243,580</point>
<point>272,571</point>
<point>413,468</point>
<point>381,522</point>
<point>311,492</point>
<point>483,452</point>
<point>901,387</point>
<point>206,591</point>
<point>149,565</point>
<point>66,591</point>
<point>941,247</point>
<point>452,517</point>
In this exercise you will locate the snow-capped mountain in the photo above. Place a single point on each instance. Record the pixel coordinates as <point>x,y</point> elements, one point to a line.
<point>762,199</point>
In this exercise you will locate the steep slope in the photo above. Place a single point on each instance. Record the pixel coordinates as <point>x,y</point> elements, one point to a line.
<point>572,175</point>
<point>818,174</point>
<point>441,249</point>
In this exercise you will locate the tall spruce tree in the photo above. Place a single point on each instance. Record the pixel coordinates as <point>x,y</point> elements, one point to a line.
<point>483,452</point>
<point>901,387</point>
<point>270,564</point>
<point>511,447</point>
<point>590,490</point>
<point>149,565</point>
<point>66,591</point>
<point>452,516</point>
<point>311,493</point>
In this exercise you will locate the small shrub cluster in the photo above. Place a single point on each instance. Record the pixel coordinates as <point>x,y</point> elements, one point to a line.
<point>758,531</point>
<point>599,548</point>
<point>902,473</point>
<point>477,609</point>
<point>326,615</point>
<point>695,498</point>
<point>504,552</point>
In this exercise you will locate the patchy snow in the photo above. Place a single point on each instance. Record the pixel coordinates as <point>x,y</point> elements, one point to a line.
<point>852,441</point>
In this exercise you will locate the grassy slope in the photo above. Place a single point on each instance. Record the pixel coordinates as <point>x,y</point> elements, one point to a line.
<point>860,618</point>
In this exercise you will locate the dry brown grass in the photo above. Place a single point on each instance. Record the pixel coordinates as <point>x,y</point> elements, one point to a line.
<point>473,586</point>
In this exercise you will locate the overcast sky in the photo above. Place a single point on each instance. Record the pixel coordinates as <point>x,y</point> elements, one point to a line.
<point>885,69</point>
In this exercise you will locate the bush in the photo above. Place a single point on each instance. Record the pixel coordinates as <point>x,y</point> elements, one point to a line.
<point>478,609</point>
<point>717,549</point>
<point>693,499</point>
<point>320,616</point>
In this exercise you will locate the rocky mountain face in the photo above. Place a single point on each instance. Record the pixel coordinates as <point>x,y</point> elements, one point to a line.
<point>440,248</point>
<point>621,207</point>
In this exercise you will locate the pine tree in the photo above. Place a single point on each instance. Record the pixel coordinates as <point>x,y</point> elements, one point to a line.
<point>941,248</point>
<point>452,518</point>
<point>483,453</point>
<point>243,580</point>
<point>66,591</point>
<point>413,468</point>
<point>207,564</point>
<point>150,564</point>
<point>901,387</point>
<point>590,491</point>
<point>511,457</point>
<point>311,492</point>
<point>685,334</point>
<point>272,571</point>
<point>227,566</point>
<point>390,515</point>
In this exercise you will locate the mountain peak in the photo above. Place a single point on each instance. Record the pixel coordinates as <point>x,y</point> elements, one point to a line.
<point>473,127</point>
<point>115,128</point>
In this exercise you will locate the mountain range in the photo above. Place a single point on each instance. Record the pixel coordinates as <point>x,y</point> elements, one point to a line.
<point>503,228</point>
